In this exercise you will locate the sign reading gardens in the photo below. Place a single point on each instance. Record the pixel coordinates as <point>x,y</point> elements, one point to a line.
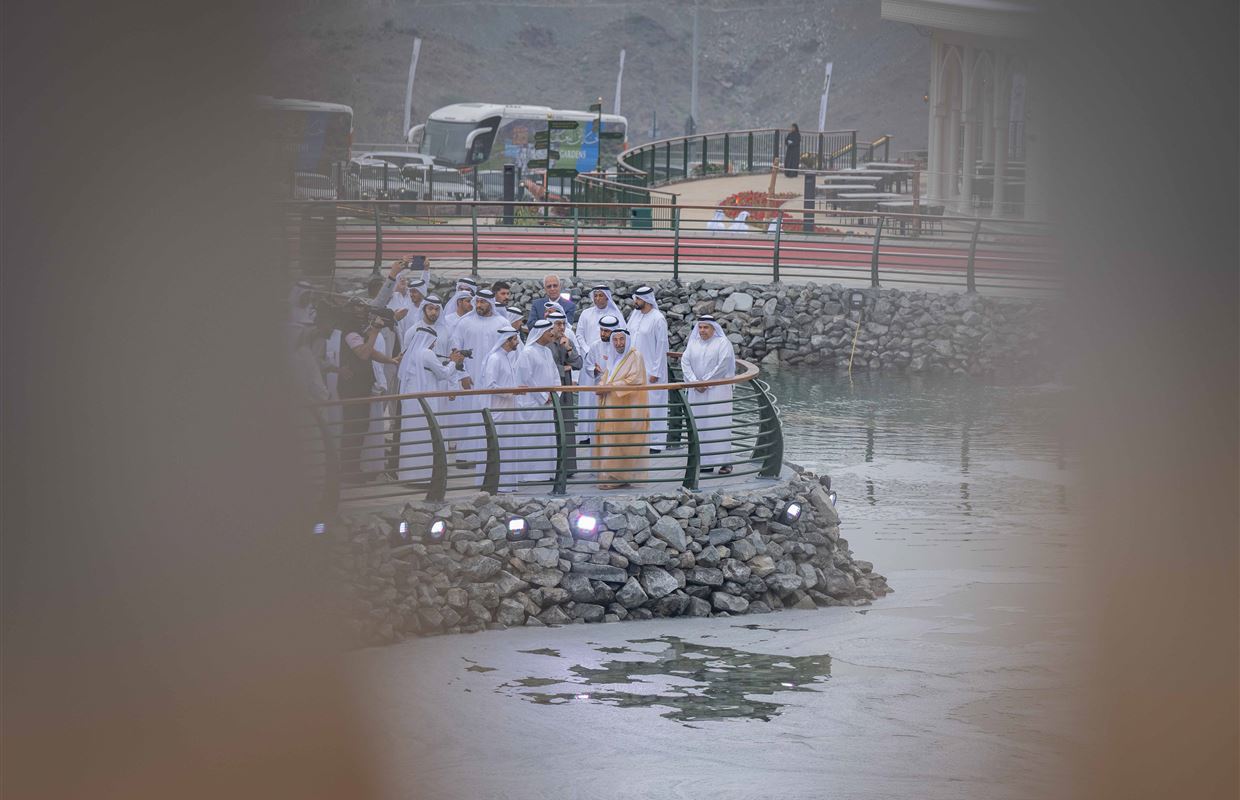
<point>571,146</point>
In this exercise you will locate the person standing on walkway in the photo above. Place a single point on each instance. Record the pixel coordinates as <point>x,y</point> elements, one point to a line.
<point>551,286</point>
<point>601,304</point>
<point>620,431</point>
<point>648,328</point>
<point>499,371</point>
<point>708,356</point>
<point>595,362</point>
<point>536,369</point>
<point>792,152</point>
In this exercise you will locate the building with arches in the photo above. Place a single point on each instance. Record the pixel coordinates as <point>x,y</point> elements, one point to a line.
<point>984,153</point>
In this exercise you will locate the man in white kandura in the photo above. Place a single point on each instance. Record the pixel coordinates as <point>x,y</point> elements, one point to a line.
<point>421,371</point>
<point>708,356</point>
<point>474,336</point>
<point>536,368</point>
<point>499,371</point>
<point>596,362</point>
<point>601,304</point>
<point>649,330</point>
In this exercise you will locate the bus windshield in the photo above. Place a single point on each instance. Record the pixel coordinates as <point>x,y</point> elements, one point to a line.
<point>445,141</point>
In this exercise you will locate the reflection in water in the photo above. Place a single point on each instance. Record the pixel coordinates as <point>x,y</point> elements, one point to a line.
<point>703,682</point>
<point>956,457</point>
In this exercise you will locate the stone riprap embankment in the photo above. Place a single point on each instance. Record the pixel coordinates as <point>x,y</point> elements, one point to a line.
<point>674,554</point>
<point>914,331</point>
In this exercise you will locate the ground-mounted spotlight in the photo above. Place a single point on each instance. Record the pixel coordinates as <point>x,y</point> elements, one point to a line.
<point>832,496</point>
<point>320,528</point>
<point>402,534</point>
<point>585,526</point>
<point>791,512</point>
<point>856,301</point>
<point>437,530</point>
<point>517,529</point>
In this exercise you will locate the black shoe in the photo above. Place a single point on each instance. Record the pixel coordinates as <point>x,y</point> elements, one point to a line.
<point>655,452</point>
<point>708,469</point>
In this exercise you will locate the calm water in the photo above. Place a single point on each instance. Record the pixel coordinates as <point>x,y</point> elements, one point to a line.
<point>954,686</point>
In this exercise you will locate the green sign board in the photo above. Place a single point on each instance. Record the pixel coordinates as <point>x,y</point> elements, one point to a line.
<point>596,108</point>
<point>561,173</point>
<point>536,163</point>
<point>612,134</point>
<point>542,139</point>
<point>561,125</point>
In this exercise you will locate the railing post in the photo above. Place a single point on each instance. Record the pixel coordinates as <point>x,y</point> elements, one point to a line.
<point>749,168</point>
<point>970,277</point>
<point>559,484</point>
<point>779,227</point>
<point>878,235</point>
<point>490,477</point>
<point>378,242</point>
<point>667,162</point>
<point>684,164</point>
<point>727,154</point>
<point>821,143</point>
<point>705,156</point>
<point>886,148</point>
<point>473,225</point>
<point>853,140</point>
<point>439,457</point>
<point>775,149</point>
<point>676,244</point>
<point>575,226</point>
<point>770,434</point>
<point>430,184</point>
<point>693,458</point>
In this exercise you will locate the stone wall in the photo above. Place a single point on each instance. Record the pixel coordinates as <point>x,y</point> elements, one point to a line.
<point>678,553</point>
<point>916,331</point>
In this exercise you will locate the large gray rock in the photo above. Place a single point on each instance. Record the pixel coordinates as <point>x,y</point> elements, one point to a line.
<point>590,612</point>
<point>698,607</point>
<point>625,548</point>
<point>554,616</point>
<point>544,577</point>
<point>507,583</point>
<point>709,557</point>
<point>723,601</point>
<point>545,556</point>
<point>652,556</point>
<point>631,595</point>
<point>719,536</point>
<point>481,568</point>
<point>510,612</point>
<point>708,576</point>
<point>784,583</point>
<point>601,572</point>
<point>578,588</point>
<point>738,301</point>
<point>673,605</point>
<point>825,512</point>
<point>657,582</point>
<point>669,530</point>
<point>839,583</point>
<point>735,570</point>
<point>743,550</point>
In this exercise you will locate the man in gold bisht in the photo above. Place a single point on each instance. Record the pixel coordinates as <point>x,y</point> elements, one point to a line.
<point>620,433</point>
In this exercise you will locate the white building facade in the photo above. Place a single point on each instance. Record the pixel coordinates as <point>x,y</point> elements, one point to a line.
<point>985,151</point>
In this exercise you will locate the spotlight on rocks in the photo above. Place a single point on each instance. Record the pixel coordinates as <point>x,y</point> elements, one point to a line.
<point>791,512</point>
<point>585,526</point>
<point>832,496</point>
<point>856,301</point>
<point>401,534</point>
<point>437,530</point>
<point>320,528</point>
<point>517,529</point>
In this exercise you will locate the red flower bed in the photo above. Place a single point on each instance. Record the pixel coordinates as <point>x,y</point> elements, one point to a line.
<point>733,204</point>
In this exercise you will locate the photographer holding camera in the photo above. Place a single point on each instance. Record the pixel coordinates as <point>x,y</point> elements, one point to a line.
<point>357,378</point>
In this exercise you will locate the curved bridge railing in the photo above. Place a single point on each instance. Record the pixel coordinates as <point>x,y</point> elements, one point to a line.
<point>710,155</point>
<point>432,444</point>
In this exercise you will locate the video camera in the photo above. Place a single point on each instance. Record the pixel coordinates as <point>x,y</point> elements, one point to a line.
<point>351,313</point>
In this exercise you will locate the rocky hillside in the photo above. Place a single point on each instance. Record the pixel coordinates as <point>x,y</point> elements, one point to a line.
<point>761,63</point>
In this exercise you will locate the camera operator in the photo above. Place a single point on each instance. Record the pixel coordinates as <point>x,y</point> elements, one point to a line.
<point>357,380</point>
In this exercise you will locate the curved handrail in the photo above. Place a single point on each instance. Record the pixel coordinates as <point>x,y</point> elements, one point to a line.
<point>749,373</point>
<point>593,178</point>
<point>622,160</point>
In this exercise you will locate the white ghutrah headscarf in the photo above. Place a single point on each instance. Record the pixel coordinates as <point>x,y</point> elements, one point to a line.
<point>716,222</point>
<point>646,294</point>
<point>539,327</point>
<point>300,314</point>
<point>421,337</point>
<point>739,224</point>
<point>708,359</point>
<point>588,318</point>
<point>502,335</point>
<point>628,342</point>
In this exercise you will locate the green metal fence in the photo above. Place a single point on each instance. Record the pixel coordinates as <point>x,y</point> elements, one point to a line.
<point>710,155</point>
<point>624,200</point>
<point>431,445</point>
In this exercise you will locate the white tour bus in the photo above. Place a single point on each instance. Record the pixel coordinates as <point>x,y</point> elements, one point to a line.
<point>486,136</point>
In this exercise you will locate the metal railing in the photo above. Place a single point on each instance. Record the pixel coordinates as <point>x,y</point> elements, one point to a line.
<point>874,240</point>
<point>432,444</point>
<point>733,153</point>
<point>625,199</point>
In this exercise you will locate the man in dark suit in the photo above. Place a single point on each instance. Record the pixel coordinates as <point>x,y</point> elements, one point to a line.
<point>551,285</point>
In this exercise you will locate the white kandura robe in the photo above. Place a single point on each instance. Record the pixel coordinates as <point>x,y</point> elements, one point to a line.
<point>333,416</point>
<point>499,371</point>
<point>374,443</point>
<point>717,222</point>
<point>712,409</point>
<point>477,333</point>
<point>536,367</point>
<point>649,332</point>
<point>420,371</point>
<point>588,319</point>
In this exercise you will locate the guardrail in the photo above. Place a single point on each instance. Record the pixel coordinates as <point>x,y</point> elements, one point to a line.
<point>733,153</point>
<point>402,445</point>
<point>860,240</point>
